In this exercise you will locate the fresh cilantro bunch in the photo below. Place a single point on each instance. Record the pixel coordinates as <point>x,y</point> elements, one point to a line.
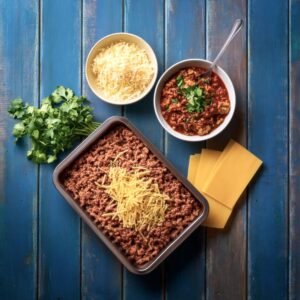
<point>194,95</point>
<point>55,126</point>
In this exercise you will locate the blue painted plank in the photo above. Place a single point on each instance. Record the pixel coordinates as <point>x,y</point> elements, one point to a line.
<point>268,138</point>
<point>59,238</point>
<point>294,181</point>
<point>220,244</point>
<point>185,38</point>
<point>18,176</point>
<point>145,18</point>
<point>99,19</point>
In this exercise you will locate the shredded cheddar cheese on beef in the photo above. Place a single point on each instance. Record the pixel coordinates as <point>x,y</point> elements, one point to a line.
<point>139,202</point>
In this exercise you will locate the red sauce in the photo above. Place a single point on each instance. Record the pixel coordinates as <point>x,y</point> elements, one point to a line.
<point>194,105</point>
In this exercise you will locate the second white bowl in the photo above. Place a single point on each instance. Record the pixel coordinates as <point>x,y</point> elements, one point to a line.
<point>172,71</point>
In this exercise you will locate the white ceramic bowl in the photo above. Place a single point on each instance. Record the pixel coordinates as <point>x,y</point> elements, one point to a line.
<point>173,70</point>
<point>105,42</point>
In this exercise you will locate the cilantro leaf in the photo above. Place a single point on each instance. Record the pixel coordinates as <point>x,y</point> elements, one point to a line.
<point>54,127</point>
<point>179,81</point>
<point>195,96</point>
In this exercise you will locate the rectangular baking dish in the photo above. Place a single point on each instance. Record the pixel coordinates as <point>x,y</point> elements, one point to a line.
<point>108,125</point>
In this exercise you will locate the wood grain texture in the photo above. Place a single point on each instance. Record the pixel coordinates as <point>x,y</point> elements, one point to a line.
<point>59,243</point>
<point>18,176</point>
<point>42,253</point>
<point>101,272</point>
<point>231,242</point>
<point>145,18</point>
<point>185,38</point>
<point>268,138</point>
<point>294,179</point>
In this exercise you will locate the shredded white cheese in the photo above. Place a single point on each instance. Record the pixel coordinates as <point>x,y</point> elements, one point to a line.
<point>123,71</point>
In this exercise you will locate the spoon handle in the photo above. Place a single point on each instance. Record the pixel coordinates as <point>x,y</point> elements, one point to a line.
<point>238,24</point>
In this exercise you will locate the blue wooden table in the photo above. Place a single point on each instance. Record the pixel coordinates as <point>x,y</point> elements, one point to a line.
<point>46,252</point>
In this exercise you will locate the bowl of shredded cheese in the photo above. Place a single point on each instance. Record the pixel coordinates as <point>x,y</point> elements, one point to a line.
<point>121,68</point>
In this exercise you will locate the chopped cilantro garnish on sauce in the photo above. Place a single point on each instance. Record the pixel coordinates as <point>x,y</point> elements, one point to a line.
<point>194,95</point>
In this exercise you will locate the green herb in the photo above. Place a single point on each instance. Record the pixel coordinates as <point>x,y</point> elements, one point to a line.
<point>194,95</point>
<point>196,99</point>
<point>198,92</point>
<point>179,81</point>
<point>54,127</point>
<point>175,100</point>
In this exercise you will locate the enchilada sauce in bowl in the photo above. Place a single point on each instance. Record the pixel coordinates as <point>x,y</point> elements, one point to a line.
<point>194,105</point>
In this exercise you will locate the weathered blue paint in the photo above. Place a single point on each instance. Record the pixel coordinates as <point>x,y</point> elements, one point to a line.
<point>294,251</point>
<point>268,138</point>
<point>101,272</point>
<point>185,38</point>
<point>145,18</point>
<point>18,176</point>
<point>220,245</point>
<point>41,255</point>
<point>59,249</point>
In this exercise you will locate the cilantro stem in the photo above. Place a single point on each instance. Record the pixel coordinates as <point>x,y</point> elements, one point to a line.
<point>61,120</point>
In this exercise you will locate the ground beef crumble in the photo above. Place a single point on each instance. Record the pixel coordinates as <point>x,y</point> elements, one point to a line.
<point>80,178</point>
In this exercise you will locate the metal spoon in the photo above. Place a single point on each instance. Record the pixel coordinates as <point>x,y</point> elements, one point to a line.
<point>238,24</point>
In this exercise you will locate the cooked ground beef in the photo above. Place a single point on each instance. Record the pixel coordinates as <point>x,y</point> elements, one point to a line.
<point>80,181</point>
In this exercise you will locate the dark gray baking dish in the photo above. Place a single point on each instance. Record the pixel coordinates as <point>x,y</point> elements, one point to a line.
<point>108,125</point>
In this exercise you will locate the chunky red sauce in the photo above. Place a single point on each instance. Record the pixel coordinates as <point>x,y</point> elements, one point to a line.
<point>194,105</point>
